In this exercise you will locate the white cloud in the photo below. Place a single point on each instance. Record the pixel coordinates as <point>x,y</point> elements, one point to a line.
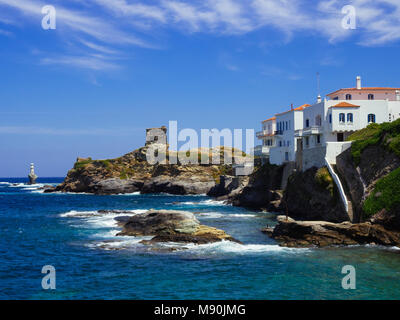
<point>91,62</point>
<point>110,26</point>
<point>5,33</point>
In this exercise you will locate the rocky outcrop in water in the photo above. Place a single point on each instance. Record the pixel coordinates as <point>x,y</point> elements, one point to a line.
<point>171,226</point>
<point>291,233</point>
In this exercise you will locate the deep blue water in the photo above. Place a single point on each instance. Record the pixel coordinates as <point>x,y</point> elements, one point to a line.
<point>66,231</point>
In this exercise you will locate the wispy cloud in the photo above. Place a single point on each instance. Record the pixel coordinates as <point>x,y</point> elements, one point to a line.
<point>5,33</point>
<point>91,62</point>
<point>110,26</point>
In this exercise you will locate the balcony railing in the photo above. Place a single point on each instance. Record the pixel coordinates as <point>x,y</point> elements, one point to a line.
<point>262,150</point>
<point>314,130</point>
<point>279,132</point>
<point>264,133</point>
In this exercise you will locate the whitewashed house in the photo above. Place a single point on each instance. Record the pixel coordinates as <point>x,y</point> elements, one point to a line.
<point>286,141</point>
<point>267,137</point>
<point>327,124</point>
<point>311,135</point>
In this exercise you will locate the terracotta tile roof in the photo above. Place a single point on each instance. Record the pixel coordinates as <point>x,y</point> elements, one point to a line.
<point>364,89</point>
<point>270,119</point>
<point>301,108</point>
<point>345,105</point>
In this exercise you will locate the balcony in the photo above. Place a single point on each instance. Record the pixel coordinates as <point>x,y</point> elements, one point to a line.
<point>264,133</point>
<point>314,130</point>
<point>279,132</point>
<point>262,151</point>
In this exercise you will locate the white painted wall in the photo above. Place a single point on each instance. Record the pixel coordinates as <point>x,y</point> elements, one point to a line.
<point>286,142</point>
<point>363,94</point>
<point>333,149</point>
<point>360,115</point>
<point>394,110</point>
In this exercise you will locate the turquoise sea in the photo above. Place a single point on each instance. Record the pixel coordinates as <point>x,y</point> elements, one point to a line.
<point>67,232</point>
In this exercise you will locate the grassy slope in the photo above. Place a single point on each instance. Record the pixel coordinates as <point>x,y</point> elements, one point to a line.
<point>386,194</point>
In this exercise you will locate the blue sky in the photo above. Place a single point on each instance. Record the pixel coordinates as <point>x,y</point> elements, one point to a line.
<point>112,68</point>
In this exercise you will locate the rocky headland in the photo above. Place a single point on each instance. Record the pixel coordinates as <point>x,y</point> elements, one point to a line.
<point>133,173</point>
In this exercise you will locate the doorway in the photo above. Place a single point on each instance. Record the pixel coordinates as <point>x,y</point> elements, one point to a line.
<point>340,137</point>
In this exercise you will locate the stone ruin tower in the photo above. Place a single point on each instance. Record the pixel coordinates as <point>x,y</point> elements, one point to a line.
<point>156,135</point>
<point>32,176</point>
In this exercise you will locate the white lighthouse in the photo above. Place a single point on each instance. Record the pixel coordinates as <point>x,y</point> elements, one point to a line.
<point>32,176</point>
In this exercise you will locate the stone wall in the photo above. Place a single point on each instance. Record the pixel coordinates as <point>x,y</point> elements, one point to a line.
<point>314,157</point>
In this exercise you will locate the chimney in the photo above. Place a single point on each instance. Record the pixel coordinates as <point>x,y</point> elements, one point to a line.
<point>319,99</point>
<point>397,95</point>
<point>358,82</point>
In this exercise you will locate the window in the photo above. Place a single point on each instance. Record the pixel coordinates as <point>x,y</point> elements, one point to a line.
<point>286,156</point>
<point>336,98</point>
<point>390,117</point>
<point>371,96</point>
<point>341,117</point>
<point>307,141</point>
<point>330,118</point>
<point>288,143</point>
<point>348,96</point>
<point>280,143</point>
<point>371,118</point>
<point>318,120</point>
<point>287,126</point>
<point>350,117</point>
<point>319,139</point>
<point>307,123</point>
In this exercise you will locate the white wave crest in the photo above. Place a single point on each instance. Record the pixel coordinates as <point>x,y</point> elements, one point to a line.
<point>233,247</point>
<point>100,220</point>
<point>219,215</point>
<point>208,202</point>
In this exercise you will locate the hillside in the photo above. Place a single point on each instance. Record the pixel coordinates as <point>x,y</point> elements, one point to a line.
<point>132,173</point>
<point>371,170</point>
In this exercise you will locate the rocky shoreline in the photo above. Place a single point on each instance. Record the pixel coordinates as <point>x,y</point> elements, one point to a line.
<point>311,197</point>
<point>291,233</point>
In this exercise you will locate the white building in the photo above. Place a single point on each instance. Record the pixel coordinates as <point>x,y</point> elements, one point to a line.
<point>312,135</point>
<point>267,137</point>
<point>286,142</point>
<point>328,123</point>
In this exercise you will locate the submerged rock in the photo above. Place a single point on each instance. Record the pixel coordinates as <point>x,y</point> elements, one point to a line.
<point>291,233</point>
<point>171,226</point>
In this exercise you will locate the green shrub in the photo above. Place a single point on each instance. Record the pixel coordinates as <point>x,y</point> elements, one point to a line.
<point>387,134</point>
<point>324,179</point>
<point>81,164</point>
<point>386,194</point>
